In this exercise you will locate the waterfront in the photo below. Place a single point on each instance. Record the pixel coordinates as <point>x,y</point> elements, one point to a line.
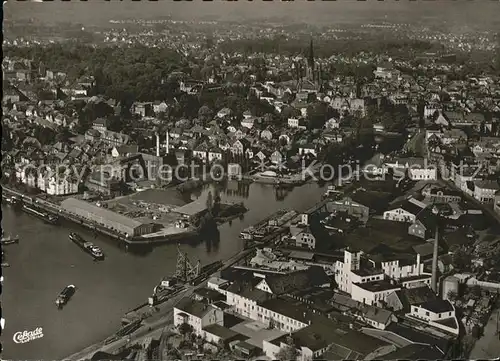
<point>45,261</point>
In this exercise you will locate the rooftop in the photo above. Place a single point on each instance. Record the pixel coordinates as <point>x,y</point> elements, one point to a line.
<point>221,331</point>
<point>107,215</point>
<point>414,352</point>
<point>191,209</point>
<point>377,286</point>
<point>192,307</point>
<point>437,306</point>
<point>289,308</point>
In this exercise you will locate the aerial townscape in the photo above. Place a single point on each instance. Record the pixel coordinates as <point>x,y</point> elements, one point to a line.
<point>181,187</point>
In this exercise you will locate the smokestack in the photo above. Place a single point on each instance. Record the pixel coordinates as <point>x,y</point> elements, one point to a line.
<point>435,261</point>
<point>167,146</point>
<point>157,145</point>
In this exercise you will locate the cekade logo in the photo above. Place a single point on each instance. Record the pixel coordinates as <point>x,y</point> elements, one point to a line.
<point>27,336</point>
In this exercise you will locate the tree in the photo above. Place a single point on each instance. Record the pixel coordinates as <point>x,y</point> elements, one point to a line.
<point>289,351</point>
<point>317,113</point>
<point>185,330</point>
<point>217,199</point>
<point>461,260</point>
<point>476,291</point>
<point>452,295</point>
<point>210,201</point>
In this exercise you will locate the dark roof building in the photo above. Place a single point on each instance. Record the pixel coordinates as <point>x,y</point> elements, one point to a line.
<point>113,221</point>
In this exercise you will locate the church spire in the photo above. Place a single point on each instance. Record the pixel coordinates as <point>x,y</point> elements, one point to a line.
<point>310,56</point>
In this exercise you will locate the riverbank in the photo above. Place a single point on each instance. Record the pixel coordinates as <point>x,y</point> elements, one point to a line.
<point>159,316</point>
<point>47,262</point>
<point>168,235</point>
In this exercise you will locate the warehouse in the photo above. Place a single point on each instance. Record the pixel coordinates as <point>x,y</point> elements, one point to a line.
<point>111,220</point>
<point>192,210</point>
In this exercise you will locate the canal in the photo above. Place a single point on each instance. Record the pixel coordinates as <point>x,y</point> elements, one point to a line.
<point>45,261</point>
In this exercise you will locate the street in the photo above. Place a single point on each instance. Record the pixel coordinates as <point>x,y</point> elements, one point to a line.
<point>488,346</point>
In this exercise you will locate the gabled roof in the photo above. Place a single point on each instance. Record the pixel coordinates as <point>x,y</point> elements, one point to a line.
<point>408,206</point>
<point>313,276</point>
<point>414,296</point>
<point>437,306</point>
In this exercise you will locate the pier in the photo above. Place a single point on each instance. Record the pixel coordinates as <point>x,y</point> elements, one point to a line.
<point>55,209</point>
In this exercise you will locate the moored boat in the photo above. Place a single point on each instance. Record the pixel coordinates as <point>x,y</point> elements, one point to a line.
<point>44,216</point>
<point>88,247</point>
<point>9,240</point>
<point>65,295</point>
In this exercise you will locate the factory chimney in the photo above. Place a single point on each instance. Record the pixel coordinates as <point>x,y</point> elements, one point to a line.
<point>157,145</point>
<point>434,284</point>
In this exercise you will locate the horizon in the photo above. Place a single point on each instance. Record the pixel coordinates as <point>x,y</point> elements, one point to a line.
<point>341,11</point>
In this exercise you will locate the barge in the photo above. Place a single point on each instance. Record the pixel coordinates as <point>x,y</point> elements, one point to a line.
<point>13,200</point>
<point>65,296</point>
<point>87,247</point>
<point>9,240</point>
<point>44,216</point>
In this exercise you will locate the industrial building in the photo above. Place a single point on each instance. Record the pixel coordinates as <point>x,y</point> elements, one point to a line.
<point>111,220</point>
<point>192,210</point>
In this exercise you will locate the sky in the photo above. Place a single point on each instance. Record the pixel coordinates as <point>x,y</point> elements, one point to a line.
<point>95,12</point>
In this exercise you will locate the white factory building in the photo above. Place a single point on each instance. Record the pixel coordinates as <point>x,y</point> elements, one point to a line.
<point>372,283</point>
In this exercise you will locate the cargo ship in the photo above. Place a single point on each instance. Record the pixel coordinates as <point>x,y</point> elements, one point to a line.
<point>65,296</point>
<point>88,247</point>
<point>44,216</point>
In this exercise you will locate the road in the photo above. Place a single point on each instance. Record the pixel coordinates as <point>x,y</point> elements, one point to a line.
<point>488,346</point>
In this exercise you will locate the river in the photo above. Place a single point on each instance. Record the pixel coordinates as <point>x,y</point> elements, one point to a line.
<point>45,261</point>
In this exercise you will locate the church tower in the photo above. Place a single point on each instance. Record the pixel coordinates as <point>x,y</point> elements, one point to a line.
<point>310,74</point>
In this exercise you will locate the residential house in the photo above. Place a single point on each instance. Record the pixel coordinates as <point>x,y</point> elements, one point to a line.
<point>277,157</point>
<point>284,139</point>
<point>114,138</point>
<point>282,284</point>
<point>198,315</point>
<point>332,123</point>
<point>266,134</point>
<point>407,211</point>
<point>160,107</point>
<point>308,149</point>
<point>484,190</point>
<point>325,339</point>
<point>142,109</point>
<point>224,112</point>
<point>416,168</point>
<point>100,124</point>
<point>304,238</point>
<point>214,154</point>
<point>249,153</point>
<point>239,146</point>
<point>441,195</point>
<point>437,313</point>
<point>386,71</point>
<point>374,316</point>
<point>350,207</point>
<point>200,152</point>
<point>402,300</point>
<point>424,225</point>
<point>295,122</point>
<point>248,122</point>
<point>124,151</point>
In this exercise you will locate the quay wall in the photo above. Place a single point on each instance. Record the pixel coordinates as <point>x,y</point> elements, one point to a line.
<point>62,213</point>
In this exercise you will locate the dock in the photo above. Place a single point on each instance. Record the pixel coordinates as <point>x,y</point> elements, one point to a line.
<point>268,225</point>
<point>59,211</point>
